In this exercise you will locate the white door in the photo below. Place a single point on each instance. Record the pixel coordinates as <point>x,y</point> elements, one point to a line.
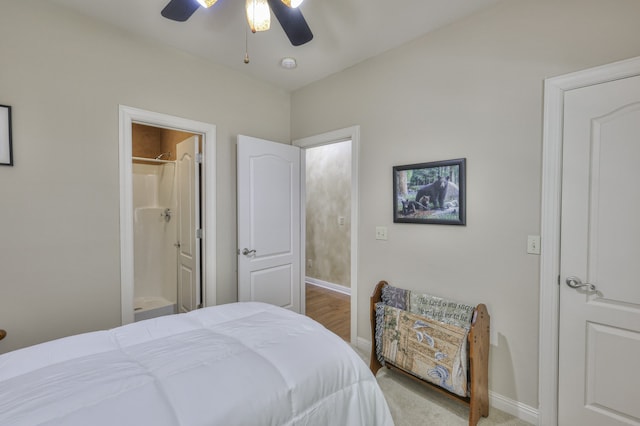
<point>188,181</point>
<point>269,223</point>
<point>599,332</point>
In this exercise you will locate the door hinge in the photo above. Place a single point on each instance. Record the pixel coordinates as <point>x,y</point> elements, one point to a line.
<point>199,233</point>
<point>199,157</point>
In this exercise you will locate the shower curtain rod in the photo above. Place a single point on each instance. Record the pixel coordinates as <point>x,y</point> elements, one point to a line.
<point>151,160</point>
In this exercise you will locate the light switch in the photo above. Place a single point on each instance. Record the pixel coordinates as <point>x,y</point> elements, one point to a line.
<point>533,244</point>
<point>381,232</point>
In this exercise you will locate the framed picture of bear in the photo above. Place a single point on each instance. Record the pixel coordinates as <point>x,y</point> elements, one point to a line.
<point>430,192</point>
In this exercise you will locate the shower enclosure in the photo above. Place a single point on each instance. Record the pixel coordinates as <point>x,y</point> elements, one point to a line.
<point>155,237</point>
<point>166,204</point>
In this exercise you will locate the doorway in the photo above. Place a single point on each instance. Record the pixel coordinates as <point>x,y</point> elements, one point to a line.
<point>330,213</point>
<point>129,119</point>
<point>327,236</point>
<point>156,186</point>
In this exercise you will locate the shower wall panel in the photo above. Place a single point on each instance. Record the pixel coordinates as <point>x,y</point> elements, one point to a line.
<point>155,265</point>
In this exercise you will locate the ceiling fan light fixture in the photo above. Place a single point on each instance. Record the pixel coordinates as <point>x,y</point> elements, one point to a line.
<point>292,3</point>
<point>207,3</point>
<point>258,15</point>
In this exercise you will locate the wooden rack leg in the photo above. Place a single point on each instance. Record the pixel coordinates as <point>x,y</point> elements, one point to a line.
<point>479,365</point>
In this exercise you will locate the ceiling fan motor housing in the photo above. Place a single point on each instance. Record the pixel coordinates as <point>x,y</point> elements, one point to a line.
<point>286,11</point>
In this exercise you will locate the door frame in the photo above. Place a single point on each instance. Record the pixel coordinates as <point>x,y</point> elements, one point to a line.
<point>349,133</point>
<point>128,116</point>
<point>554,92</point>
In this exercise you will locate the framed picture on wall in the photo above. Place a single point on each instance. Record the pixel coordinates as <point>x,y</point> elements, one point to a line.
<point>430,192</point>
<point>6,153</point>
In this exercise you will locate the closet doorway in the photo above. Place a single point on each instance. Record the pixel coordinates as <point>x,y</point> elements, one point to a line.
<point>167,195</point>
<point>330,224</point>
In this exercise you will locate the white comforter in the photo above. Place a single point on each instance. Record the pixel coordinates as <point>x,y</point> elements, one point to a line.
<point>238,364</point>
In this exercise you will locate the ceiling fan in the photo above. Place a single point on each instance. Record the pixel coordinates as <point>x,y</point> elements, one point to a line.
<point>286,11</point>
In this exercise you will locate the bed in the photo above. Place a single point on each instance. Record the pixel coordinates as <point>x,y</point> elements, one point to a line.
<point>235,364</point>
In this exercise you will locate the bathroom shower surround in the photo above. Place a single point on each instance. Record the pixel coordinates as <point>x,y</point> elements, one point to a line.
<point>155,236</point>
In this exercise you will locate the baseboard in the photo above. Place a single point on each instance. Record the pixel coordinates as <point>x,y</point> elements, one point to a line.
<point>515,408</point>
<point>329,286</point>
<point>500,402</point>
<point>363,344</point>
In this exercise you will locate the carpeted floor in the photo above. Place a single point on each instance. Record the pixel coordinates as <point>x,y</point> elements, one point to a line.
<point>412,404</point>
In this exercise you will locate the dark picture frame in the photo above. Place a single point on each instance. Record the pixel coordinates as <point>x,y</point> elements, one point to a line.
<point>6,149</point>
<point>430,192</point>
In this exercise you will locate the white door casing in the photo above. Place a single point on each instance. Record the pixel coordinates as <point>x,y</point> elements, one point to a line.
<point>555,90</point>
<point>269,234</point>
<point>128,116</point>
<point>599,343</point>
<point>188,215</point>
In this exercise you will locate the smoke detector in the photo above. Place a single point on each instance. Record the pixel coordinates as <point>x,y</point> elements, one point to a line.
<point>288,63</point>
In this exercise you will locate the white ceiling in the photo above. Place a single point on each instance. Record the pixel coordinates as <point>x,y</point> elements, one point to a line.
<point>345,32</point>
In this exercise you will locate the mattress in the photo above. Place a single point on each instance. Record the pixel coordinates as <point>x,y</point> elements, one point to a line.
<point>236,364</point>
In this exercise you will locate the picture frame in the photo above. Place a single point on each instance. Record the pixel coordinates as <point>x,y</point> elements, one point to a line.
<point>6,149</point>
<point>430,193</point>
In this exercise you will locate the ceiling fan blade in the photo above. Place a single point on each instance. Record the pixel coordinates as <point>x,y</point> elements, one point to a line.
<point>180,10</point>
<point>292,22</point>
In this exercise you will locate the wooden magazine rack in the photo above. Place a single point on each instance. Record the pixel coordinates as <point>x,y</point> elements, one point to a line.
<point>478,338</point>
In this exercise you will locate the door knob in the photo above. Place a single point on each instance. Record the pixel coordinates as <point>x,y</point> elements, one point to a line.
<point>575,282</point>
<point>247,252</point>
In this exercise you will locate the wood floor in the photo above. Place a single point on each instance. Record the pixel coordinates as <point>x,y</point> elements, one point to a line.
<point>331,309</point>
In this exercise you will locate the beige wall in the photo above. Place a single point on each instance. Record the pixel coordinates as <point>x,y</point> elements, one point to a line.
<point>328,192</point>
<point>65,75</point>
<point>472,89</point>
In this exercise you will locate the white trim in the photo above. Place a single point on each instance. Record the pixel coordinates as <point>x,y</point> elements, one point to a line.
<point>349,133</point>
<point>128,116</point>
<point>363,344</point>
<point>303,227</point>
<point>126,220</point>
<point>329,286</point>
<point>515,408</point>
<point>554,91</point>
<point>497,401</point>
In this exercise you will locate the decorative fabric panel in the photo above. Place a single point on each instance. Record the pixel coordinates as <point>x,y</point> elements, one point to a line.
<point>443,310</point>
<point>429,349</point>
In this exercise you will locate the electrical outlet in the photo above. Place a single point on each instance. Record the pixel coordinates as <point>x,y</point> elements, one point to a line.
<point>381,232</point>
<point>309,263</point>
<point>340,220</point>
<point>493,337</point>
<point>533,244</point>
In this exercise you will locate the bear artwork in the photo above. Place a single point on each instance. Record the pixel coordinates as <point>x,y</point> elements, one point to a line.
<point>434,192</point>
<point>430,192</point>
